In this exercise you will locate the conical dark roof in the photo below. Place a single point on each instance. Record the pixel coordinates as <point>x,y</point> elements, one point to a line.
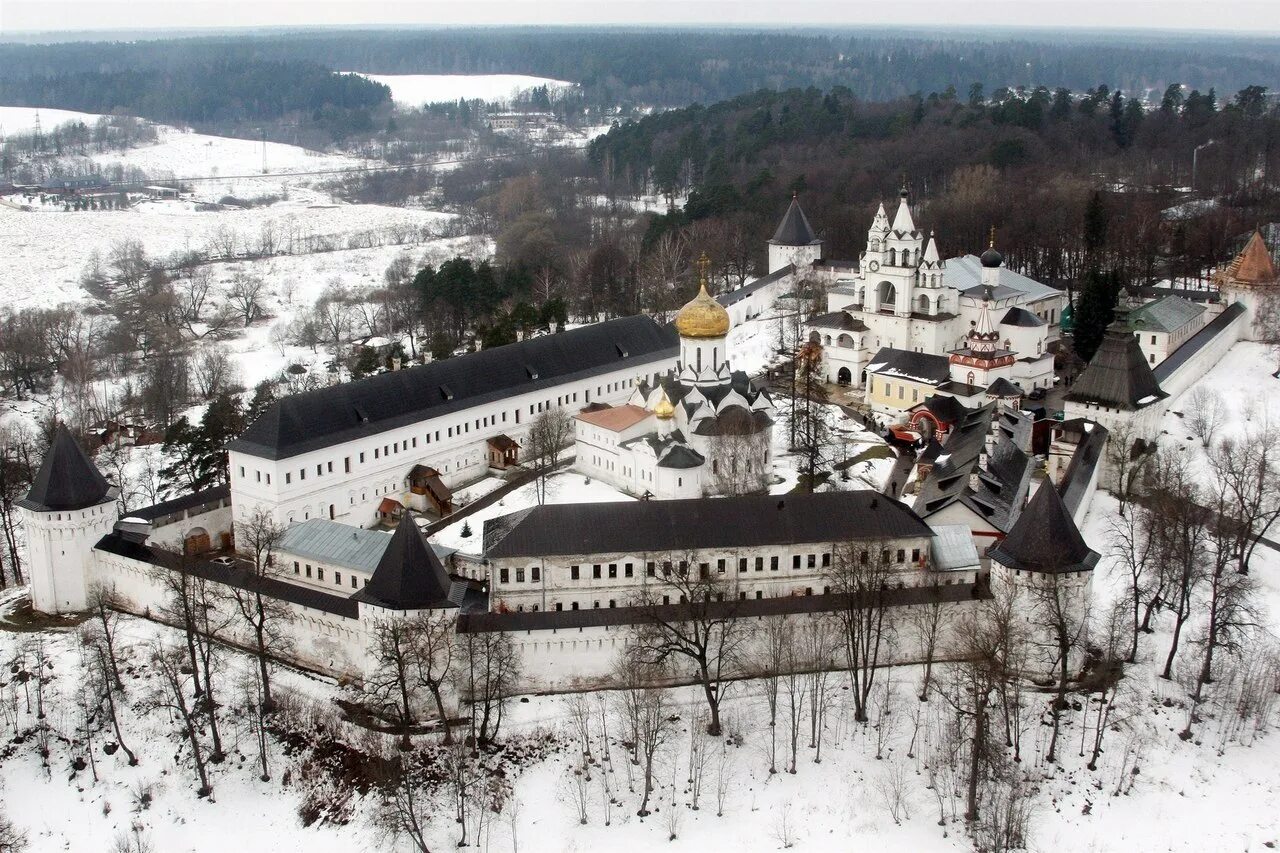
<point>67,479</point>
<point>1118,374</point>
<point>1045,538</point>
<point>795,229</point>
<point>409,576</point>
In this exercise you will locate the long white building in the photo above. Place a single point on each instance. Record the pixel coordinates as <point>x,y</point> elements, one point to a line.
<point>338,453</point>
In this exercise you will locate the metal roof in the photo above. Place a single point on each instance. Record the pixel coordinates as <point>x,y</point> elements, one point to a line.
<point>322,418</point>
<point>965,273</point>
<point>1045,538</point>
<point>794,230</point>
<point>638,527</point>
<point>1197,342</point>
<point>183,502</point>
<point>67,479</point>
<point>953,548</point>
<point>1118,374</point>
<point>342,545</point>
<point>917,366</point>
<point>1167,314</point>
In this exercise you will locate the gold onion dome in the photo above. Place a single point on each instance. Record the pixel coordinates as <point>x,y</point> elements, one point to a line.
<point>702,316</point>
<point>663,410</point>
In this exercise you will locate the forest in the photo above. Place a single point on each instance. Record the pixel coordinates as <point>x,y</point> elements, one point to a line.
<point>676,67</point>
<point>221,91</point>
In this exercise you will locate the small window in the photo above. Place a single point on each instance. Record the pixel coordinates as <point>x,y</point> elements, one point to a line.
<point>720,565</point>
<point>559,606</point>
<point>573,573</point>
<point>795,561</point>
<point>595,571</point>
<point>573,605</point>
<point>319,573</point>
<point>353,581</point>
<point>759,564</point>
<point>915,555</point>
<point>650,568</point>
<point>297,570</point>
<point>773,563</point>
<point>337,578</point>
<point>504,575</point>
<point>742,565</point>
<point>629,570</point>
<point>535,574</point>
<point>613,570</point>
<point>826,559</point>
<point>520,574</point>
<point>362,458</point>
<point>308,570</point>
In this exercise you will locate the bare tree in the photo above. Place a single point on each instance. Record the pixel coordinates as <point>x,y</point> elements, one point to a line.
<point>405,807</point>
<point>487,673</point>
<point>926,620</point>
<point>738,465</point>
<point>171,694</point>
<point>549,435</point>
<point>1182,545</point>
<point>1205,413</point>
<point>390,684</point>
<point>1135,550</point>
<point>690,618</point>
<point>859,577</point>
<point>653,724</point>
<point>435,658</point>
<point>1061,613</point>
<point>213,371</point>
<point>266,616</point>
<point>245,294</point>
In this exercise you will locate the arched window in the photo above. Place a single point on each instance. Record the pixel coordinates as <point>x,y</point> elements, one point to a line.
<point>893,257</point>
<point>888,294</point>
<point>923,302</point>
<point>906,257</point>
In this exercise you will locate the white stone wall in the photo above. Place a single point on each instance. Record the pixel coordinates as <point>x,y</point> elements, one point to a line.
<point>60,554</point>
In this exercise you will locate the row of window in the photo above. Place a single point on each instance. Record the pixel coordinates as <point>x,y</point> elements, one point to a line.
<point>319,574</point>
<point>601,571</point>
<point>463,428</point>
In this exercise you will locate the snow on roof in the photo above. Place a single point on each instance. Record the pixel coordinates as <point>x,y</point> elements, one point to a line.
<point>965,272</point>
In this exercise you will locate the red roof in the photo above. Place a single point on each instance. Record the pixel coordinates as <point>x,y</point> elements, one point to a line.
<point>615,418</point>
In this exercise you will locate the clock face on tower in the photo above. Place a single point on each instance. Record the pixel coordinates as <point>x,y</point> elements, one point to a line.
<point>873,266</point>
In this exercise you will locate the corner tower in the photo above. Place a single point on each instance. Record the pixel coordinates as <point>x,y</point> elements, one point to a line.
<point>69,508</point>
<point>794,242</point>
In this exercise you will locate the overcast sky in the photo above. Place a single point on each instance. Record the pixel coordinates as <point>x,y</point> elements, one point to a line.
<point>66,15</point>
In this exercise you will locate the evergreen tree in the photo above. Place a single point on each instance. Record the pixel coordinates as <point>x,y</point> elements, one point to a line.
<point>198,453</point>
<point>1094,310</point>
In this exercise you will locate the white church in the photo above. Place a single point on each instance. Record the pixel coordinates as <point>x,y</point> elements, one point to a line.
<point>701,430</point>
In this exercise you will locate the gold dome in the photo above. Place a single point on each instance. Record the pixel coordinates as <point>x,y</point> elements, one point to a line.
<point>702,316</point>
<point>663,410</point>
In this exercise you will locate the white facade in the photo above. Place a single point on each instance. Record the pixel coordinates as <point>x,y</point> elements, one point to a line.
<point>60,556</point>
<point>347,481</point>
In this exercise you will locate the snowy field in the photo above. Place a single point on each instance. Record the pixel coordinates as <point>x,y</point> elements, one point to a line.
<point>23,119</point>
<point>46,249</point>
<point>414,90</point>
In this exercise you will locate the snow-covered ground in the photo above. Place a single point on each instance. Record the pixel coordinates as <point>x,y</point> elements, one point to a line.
<point>23,119</point>
<point>414,90</point>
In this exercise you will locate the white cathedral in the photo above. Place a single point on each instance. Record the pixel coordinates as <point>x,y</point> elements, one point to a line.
<point>907,314</point>
<point>700,430</point>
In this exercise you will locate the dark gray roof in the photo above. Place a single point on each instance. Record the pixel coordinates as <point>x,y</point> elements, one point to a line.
<point>410,576</point>
<point>946,409</point>
<point>918,366</point>
<point>1118,374</point>
<point>1016,316</point>
<point>741,293</point>
<point>1045,538</point>
<point>838,320</point>
<point>681,456</point>
<point>194,500</point>
<point>734,420</point>
<point>1003,388</point>
<point>1197,342</point>
<point>1085,460</point>
<point>1000,488</point>
<point>67,478</point>
<point>636,527</point>
<point>794,230</point>
<point>233,576</point>
<point>317,419</point>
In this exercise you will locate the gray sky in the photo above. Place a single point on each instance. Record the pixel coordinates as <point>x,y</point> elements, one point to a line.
<point>68,15</point>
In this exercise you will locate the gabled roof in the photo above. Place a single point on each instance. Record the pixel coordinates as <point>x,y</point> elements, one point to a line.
<point>917,366</point>
<point>1197,342</point>
<point>322,418</point>
<point>335,543</point>
<point>653,527</point>
<point>1045,538</point>
<point>964,273</point>
<point>681,456</point>
<point>193,500</point>
<point>946,409</point>
<point>1016,316</point>
<point>1118,374</point>
<point>615,418</point>
<point>1167,314</point>
<point>794,230</point>
<point>67,479</point>
<point>409,576</point>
